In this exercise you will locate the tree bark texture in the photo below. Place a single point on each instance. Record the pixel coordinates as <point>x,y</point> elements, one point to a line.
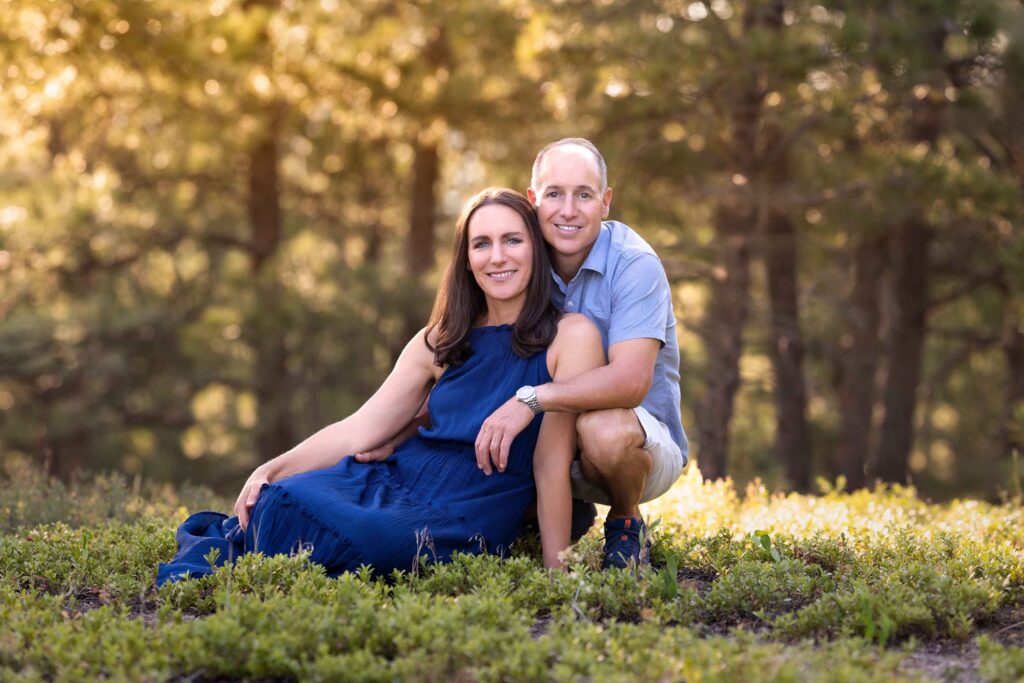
<point>423,201</point>
<point>723,336</point>
<point>910,299</point>
<point>420,242</point>
<point>860,350</point>
<point>787,351</point>
<point>264,200</point>
<point>422,208</point>
<point>274,430</point>
<point>905,347</point>
<point>781,257</point>
<point>1012,429</point>
<point>735,222</point>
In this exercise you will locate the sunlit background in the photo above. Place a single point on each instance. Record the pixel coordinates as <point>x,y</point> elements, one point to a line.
<point>221,221</point>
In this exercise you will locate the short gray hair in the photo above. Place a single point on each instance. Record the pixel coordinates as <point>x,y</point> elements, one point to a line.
<point>586,144</point>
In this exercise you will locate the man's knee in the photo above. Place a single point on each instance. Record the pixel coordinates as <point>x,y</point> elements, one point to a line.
<point>609,434</point>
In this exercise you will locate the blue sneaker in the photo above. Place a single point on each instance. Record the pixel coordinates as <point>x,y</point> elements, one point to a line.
<point>626,540</point>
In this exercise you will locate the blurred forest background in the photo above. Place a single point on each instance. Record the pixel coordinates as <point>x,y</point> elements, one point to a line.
<point>220,220</point>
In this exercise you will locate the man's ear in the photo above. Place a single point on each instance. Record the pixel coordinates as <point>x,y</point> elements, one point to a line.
<point>531,195</point>
<point>606,200</point>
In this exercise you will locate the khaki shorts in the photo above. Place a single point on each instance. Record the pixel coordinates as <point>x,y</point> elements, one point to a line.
<point>667,464</point>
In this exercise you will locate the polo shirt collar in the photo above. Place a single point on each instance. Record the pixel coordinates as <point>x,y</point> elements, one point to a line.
<point>597,259</point>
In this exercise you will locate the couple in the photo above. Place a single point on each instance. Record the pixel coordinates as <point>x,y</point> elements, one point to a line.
<point>513,361</point>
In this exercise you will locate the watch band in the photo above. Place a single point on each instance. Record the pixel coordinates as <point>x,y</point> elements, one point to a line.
<point>529,399</point>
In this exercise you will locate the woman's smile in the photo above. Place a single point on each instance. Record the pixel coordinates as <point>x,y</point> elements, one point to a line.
<point>500,252</point>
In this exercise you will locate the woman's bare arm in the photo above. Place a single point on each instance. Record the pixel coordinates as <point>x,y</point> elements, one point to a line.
<point>393,405</point>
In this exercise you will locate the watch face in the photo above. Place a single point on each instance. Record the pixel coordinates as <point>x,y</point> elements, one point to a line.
<point>524,393</point>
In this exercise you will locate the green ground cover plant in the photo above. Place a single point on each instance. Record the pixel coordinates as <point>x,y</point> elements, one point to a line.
<point>847,587</point>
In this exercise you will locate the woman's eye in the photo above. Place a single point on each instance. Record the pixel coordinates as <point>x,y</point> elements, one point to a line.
<point>479,245</point>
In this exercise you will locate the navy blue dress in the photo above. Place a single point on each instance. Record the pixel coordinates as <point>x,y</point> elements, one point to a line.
<point>428,498</point>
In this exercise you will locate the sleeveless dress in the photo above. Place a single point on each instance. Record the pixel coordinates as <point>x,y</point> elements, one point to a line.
<point>429,498</point>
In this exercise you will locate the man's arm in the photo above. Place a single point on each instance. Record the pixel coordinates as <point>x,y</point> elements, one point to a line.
<point>641,304</point>
<point>622,383</point>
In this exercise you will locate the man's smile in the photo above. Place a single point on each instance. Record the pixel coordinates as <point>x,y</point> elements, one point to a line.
<point>568,228</point>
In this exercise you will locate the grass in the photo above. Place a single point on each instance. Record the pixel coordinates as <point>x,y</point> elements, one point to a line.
<point>834,587</point>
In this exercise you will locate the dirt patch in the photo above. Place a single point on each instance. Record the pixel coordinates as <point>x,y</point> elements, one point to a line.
<point>1006,626</point>
<point>541,625</point>
<point>947,661</point>
<point>699,580</point>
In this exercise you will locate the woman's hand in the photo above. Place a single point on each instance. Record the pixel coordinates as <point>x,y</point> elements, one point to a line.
<point>250,492</point>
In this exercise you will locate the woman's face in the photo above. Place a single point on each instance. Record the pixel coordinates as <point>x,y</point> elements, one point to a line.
<point>500,252</point>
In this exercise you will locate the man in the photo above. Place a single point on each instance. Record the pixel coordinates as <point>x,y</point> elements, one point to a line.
<point>631,440</point>
<point>630,436</point>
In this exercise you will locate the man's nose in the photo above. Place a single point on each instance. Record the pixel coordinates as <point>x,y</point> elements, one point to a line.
<point>569,205</point>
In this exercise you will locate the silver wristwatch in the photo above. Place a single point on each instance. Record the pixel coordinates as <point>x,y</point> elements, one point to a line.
<point>528,396</point>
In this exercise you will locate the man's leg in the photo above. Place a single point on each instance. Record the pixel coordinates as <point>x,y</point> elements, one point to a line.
<point>613,457</point>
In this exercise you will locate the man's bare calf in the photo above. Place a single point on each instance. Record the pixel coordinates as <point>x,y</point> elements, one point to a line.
<point>613,457</point>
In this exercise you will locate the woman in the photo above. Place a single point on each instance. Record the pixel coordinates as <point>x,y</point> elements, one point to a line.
<point>487,336</point>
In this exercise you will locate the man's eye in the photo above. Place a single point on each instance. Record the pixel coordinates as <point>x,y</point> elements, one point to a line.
<point>585,195</point>
<point>552,193</point>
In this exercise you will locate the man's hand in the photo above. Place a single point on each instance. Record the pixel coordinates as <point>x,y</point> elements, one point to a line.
<point>384,451</point>
<point>250,492</point>
<point>497,433</point>
<point>378,454</point>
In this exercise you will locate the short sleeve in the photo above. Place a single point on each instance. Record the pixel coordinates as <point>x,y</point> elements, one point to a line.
<point>641,301</point>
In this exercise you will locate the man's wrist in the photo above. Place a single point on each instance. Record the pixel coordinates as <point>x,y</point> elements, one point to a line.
<point>544,397</point>
<point>527,395</point>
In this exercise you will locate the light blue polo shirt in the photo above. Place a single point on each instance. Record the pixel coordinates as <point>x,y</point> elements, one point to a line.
<point>623,289</point>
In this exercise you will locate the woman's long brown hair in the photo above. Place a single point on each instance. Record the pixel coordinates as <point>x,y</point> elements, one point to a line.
<point>460,302</point>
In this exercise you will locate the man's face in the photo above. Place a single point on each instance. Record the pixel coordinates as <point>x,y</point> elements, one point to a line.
<point>569,201</point>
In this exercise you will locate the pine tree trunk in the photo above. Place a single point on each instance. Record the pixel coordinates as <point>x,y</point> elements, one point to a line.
<point>419,255</point>
<point>781,257</point>
<point>1012,429</point>
<point>422,209</point>
<point>735,221</point>
<point>910,295</point>
<point>274,430</point>
<point>723,337</point>
<point>910,298</point>
<point>787,351</point>
<point>860,350</point>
